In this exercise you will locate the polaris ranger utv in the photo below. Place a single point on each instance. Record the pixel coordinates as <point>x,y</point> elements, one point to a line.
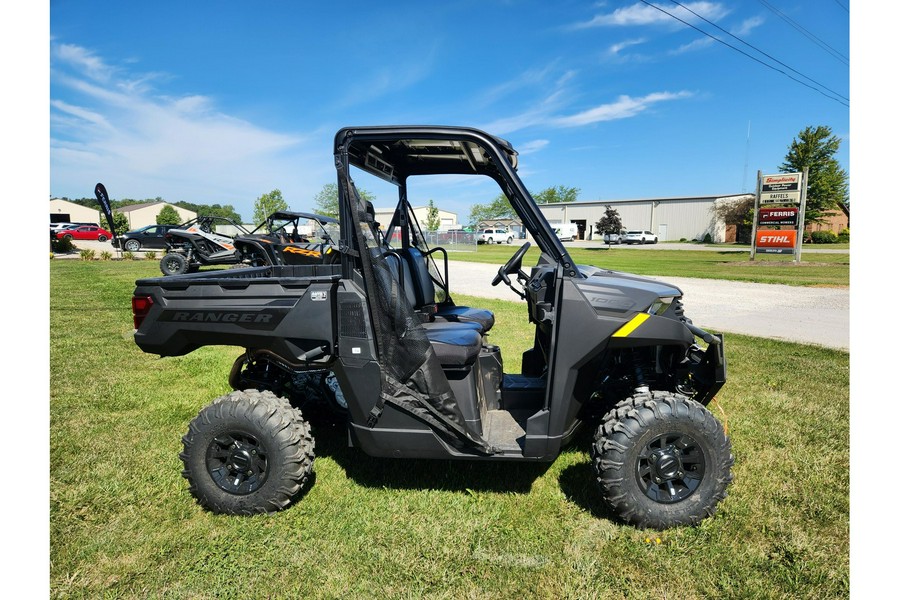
<point>378,335</point>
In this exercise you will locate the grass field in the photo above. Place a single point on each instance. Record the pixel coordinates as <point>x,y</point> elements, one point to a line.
<point>123,525</point>
<point>825,270</point>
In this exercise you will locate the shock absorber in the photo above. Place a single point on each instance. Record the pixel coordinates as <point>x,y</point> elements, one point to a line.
<point>637,360</point>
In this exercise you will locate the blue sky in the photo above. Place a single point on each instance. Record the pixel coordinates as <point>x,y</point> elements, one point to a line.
<point>222,102</point>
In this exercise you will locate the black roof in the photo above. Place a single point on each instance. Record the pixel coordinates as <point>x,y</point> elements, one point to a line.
<point>291,215</point>
<point>397,152</point>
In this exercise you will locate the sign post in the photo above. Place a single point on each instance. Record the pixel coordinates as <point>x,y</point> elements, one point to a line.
<point>769,235</point>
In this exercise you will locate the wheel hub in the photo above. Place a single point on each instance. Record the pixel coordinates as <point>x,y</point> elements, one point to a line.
<point>237,462</point>
<point>666,464</point>
<point>670,467</point>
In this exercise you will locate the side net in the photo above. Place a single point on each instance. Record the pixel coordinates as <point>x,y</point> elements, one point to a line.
<point>411,375</point>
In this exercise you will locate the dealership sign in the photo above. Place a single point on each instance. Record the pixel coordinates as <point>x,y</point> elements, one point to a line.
<point>778,216</point>
<point>783,188</point>
<point>776,241</point>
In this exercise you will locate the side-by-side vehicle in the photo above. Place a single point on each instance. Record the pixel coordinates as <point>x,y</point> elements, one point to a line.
<point>377,336</point>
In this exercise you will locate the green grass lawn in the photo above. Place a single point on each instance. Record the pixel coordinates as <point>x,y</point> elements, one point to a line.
<point>826,270</point>
<point>123,525</point>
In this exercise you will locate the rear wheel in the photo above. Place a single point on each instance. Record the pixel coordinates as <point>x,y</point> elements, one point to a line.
<point>509,240</point>
<point>248,452</point>
<point>661,460</point>
<point>173,264</point>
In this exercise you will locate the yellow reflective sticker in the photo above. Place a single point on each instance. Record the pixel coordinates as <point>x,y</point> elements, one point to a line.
<point>626,329</point>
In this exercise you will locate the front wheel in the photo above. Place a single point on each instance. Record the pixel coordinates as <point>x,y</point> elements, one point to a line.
<point>102,238</point>
<point>173,263</point>
<point>132,245</point>
<point>509,240</point>
<point>248,452</point>
<point>661,460</point>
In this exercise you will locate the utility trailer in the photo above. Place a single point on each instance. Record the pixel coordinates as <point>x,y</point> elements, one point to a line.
<point>377,336</point>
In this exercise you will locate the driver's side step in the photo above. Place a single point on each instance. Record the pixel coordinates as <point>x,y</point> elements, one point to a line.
<point>505,430</point>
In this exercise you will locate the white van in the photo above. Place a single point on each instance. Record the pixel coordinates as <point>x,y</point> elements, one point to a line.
<point>566,232</point>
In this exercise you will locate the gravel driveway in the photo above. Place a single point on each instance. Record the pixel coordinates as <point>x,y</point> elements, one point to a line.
<point>797,314</point>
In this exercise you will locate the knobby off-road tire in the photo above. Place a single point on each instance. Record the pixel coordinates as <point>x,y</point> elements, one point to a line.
<point>173,264</point>
<point>248,452</point>
<point>661,460</point>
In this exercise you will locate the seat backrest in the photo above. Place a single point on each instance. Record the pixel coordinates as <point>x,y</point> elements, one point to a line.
<point>421,278</point>
<point>400,272</point>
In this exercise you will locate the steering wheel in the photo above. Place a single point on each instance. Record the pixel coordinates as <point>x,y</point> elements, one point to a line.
<point>512,266</point>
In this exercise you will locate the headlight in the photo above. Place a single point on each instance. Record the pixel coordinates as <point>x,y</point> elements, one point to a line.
<point>660,306</point>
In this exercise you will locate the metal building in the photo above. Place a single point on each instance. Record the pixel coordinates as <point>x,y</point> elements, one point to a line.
<point>671,219</point>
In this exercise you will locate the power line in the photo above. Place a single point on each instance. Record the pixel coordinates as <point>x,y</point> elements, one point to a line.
<point>765,64</point>
<point>842,6</point>
<point>761,52</point>
<point>809,35</point>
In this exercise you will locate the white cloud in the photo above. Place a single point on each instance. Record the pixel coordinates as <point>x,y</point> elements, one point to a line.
<point>532,146</point>
<point>623,108</point>
<point>547,112</point>
<point>615,49</point>
<point>643,14</point>
<point>109,125</point>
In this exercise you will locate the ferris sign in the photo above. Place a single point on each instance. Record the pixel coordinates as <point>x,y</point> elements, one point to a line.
<point>778,216</point>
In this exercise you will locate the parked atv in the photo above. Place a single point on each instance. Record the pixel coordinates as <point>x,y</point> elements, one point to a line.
<point>196,243</point>
<point>416,374</point>
<point>280,241</point>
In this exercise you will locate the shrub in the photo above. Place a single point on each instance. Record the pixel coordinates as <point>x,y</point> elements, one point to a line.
<point>707,239</point>
<point>87,255</point>
<point>51,256</point>
<point>824,237</point>
<point>106,255</point>
<point>844,235</point>
<point>128,255</point>
<point>62,246</point>
<point>150,255</point>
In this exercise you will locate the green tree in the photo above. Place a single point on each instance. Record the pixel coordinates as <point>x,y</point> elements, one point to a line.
<point>120,222</point>
<point>433,218</point>
<point>498,208</point>
<point>326,201</point>
<point>267,204</point>
<point>815,148</point>
<point>559,193</point>
<point>610,222</point>
<point>211,210</point>
<point>168,216</point>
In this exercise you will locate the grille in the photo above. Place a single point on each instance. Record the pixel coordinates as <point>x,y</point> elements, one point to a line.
<point>352,319</point>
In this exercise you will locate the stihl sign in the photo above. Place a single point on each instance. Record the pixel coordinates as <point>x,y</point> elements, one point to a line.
<point>778,216</point>
<point>776,241</point>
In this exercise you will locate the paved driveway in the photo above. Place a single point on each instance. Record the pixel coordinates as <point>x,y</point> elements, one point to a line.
<point>798,314</point>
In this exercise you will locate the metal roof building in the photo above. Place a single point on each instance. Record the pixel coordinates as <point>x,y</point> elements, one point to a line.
<point>672,219</point>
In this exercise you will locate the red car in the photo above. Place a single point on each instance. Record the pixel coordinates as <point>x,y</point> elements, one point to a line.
<point>84,232</point>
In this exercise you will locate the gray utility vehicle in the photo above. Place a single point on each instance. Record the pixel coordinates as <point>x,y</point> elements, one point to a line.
<point>378,336</point>
<point>196,243</point>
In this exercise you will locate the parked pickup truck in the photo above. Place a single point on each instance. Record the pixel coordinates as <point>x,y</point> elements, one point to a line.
<point>376,336</point>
